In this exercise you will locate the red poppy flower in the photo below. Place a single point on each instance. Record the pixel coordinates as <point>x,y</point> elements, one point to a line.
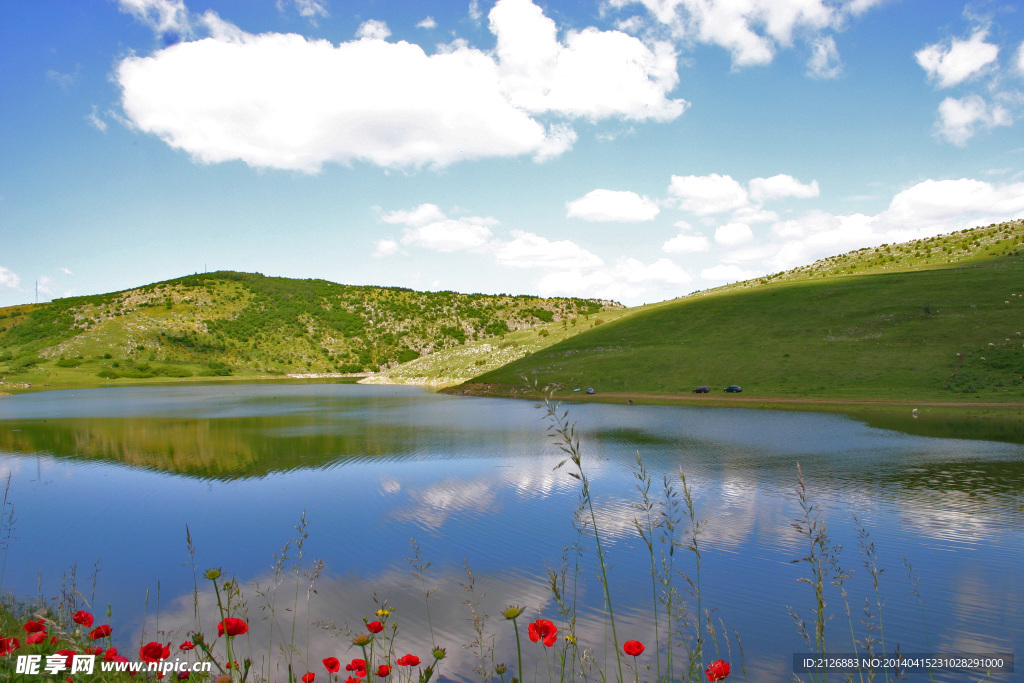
<point>374,626</point>
<point>183,676</point>
<point>358,666</point>
<point>353,679</point>
<point>69,657</point>
<point>542,629</point>
<point>35,638</point>
<point>187,645</point>
<point>383,670</point>
<point>109,655</point>
<point>94,650</point>
<point>154,652</point>
<point>332,664</point>
<point>82,617</point>
<point>8,645</point>
<point>717,671</point>
<point>408,660</point>
<point>232,626</point>
<point>100,632</point>
<point>633,648</point>
<point>34,626</point>
<point>308,677</point>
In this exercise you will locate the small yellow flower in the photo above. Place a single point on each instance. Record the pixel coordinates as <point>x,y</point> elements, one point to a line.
<point>212,574</point>
<point>571,639</point>
<point>385,611</point>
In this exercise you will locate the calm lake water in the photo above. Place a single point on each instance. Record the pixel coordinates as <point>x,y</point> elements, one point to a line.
<point>110,478</point>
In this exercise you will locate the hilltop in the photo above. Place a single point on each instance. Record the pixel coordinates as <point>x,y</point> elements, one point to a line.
<point>228,323</point>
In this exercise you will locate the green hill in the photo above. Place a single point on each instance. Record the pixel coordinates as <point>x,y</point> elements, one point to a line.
<point>228,323</point>
<point>942,320</point>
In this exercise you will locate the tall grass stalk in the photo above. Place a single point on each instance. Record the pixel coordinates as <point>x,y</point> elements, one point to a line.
<point>646,529</point>
<point>564,433</point>
<point>867,550</point>
<point>696,527</point>
<point>814,529</point>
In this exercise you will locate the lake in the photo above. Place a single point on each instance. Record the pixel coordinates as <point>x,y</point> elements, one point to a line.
<point>104,483</point>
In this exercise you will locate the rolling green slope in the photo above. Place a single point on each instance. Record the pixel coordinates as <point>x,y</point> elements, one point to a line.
<point>947,333</point>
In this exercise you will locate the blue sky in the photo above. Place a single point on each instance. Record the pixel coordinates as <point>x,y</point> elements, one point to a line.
<point>636,150</point>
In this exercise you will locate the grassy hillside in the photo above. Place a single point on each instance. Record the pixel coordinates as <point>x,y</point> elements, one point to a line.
<point>949,332</point>
<point>228,323</point>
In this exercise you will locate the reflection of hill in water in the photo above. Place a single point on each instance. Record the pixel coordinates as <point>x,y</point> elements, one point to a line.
<point>224,448</point>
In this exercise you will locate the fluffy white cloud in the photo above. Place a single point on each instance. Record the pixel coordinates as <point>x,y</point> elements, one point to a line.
<point>429,228</point>
<point>705,195</point>
<point>527,250</point>
<point>427,23</point>
<point>9,279</point>
<point>595,74</point>
<point>753,30</point>
<point>284,101</point>
<point>960,119</point>
<point>960,60</point>
<point>612,205</point>
<point>782,186</point>
<point>374,29</point>
<point>385,247</point>
<point>686,244</point>
<point>1020,59</point>
<point>733,234</point>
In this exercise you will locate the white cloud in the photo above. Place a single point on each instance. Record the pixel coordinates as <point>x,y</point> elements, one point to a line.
<point>594,74</point>
<point>960,61</point>
<point>753,30</point>
<point>781,186</point>
<point>427,23</point>
<point>9,279</point>
<point>390,104</point>
<point>686,244</point>
<point>1020,59</point>
<point>733,234</point>
<point>726,273</point>
<point>824,61</point>
<point>385,247</point>
<point>705,195</point>
<point>167,18</point>
<point>429,228</point>
<point>612,205</point>
<point>960,119</point>
<point>528,250</point>
<point>373,29</point>
<point>67,271</point>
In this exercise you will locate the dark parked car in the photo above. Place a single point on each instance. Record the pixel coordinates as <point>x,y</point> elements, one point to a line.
<point>733,389</point>
<point>702,390</point>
